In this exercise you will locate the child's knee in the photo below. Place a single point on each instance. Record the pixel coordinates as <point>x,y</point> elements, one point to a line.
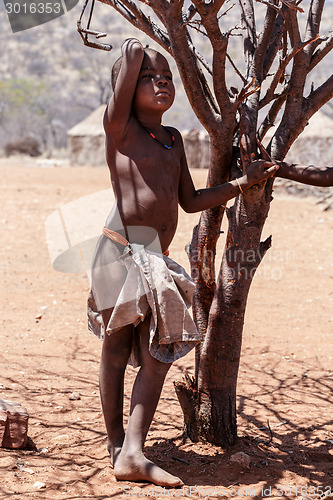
<point>157,368</point>
<point>117,347</point>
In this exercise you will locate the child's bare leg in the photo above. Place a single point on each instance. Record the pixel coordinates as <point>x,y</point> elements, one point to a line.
<point>115,353</point>
<point>132,465</point>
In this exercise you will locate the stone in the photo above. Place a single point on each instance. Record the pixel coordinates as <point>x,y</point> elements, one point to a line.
<point>74,396</point>
<point>13,424</point>
<point>38,485</point>
<point>242,459</point>
<point>3,420</point>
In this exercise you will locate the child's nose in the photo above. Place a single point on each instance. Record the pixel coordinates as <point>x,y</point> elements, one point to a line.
<point>161,80</point>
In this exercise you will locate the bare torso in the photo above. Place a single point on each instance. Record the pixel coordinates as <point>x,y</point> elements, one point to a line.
<point>145,180</point>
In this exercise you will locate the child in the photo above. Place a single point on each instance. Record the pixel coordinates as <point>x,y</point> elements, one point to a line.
<point>142,294</point>
<point>307,174</point>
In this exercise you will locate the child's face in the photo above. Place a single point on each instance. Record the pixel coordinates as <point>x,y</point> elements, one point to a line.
<point>155,89</point>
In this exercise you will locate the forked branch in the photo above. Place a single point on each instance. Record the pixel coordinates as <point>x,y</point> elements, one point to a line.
<point>283,63</point>
<point>321,52</point>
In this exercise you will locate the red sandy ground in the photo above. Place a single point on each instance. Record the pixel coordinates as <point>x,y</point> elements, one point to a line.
<point>285,379</point>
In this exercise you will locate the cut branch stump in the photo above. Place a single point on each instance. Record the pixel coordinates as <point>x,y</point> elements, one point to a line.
<point>13,425</point>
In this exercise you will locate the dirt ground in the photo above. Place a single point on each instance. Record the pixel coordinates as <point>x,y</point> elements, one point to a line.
<point>285,395</point>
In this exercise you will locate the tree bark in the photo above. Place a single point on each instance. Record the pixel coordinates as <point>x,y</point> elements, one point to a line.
<point>209,405</point>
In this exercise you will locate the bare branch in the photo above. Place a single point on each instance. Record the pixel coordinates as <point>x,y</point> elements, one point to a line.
<point>318,97</point>
<point>313,23</point>
<point>158,7</point>
<point>226,11</point>
<point>291,20</point>
<point>217,5</point>
<point>195,84</point>
<point>292,125</point>
<point>250,40</point>
<point>270,5</point>
<point>155,5</point>
<point>264,42</point>
<point>321,52</point>
<point>246,92</point>
<point>273,44</point>
<point>137,18</point>
<point>220,45</point>
<point>236,69</point>
<point>201,77</point>
<point>208,9</point>
<point>191,11</point>
<point>196,25</point>
<point>292,5</point>
<point>270,118</point>
<point>200,58</point>
<point>294,101</point>
<point>279,72</point>
<point>208,13</point>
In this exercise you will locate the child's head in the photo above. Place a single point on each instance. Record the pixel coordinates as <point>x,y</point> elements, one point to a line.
<point>117,64</point>
<point>155,90</point>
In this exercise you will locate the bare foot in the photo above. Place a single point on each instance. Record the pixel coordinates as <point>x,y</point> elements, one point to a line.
<point>139,468</point>
<point>114,453</point>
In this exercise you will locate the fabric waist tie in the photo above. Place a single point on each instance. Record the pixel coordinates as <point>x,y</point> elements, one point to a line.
<point>118,238</point>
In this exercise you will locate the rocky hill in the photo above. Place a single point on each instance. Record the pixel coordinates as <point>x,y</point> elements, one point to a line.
<point>49,80</point>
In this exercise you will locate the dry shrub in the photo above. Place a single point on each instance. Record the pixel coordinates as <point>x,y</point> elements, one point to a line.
<point>26,145</point>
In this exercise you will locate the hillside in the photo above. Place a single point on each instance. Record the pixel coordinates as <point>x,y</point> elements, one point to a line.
<point>50,80</point>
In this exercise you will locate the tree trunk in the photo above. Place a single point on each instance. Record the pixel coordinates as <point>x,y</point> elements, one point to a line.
<point>209,400</point>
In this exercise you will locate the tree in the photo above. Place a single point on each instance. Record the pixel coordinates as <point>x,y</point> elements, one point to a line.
<point>25,105</point>
<point>273,81</point>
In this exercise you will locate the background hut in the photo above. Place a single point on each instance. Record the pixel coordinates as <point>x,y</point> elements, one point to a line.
<point>86,143</point>
<point>86,140</point>
<point>197,148</point>
<point>314,145</point>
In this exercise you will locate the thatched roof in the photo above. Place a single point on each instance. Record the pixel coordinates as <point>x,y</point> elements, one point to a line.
<point>92,125</point>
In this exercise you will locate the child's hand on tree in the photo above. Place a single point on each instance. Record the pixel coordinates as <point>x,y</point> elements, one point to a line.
<point>258,171</point>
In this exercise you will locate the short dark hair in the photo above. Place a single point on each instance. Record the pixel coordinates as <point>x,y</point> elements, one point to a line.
<point>117,65</point>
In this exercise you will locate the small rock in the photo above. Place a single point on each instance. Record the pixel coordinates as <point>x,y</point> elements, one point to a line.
<point>38,316</point>
<point>43,450</point>
<point>74,396</point>
<point>241,459</point>
<point>27,470</point>
<point>38,485</point>
<point>19,464</point>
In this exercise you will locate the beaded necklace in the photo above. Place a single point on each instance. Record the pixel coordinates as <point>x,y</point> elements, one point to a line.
<point>155,138</point>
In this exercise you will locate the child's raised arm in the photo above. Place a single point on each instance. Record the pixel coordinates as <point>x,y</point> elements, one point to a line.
<point>307,174</point>
<point>119,108</point>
